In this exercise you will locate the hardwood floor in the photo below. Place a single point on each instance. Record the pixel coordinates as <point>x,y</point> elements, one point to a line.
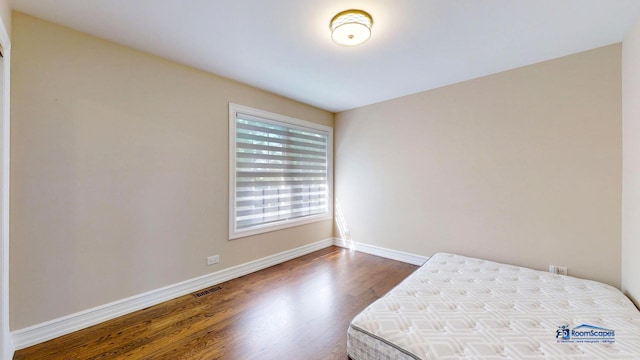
<point>299,309</point>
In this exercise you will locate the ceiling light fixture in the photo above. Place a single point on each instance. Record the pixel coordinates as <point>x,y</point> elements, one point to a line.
<point>351,27</point>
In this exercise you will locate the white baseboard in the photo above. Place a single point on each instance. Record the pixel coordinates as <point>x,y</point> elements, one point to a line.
<point>32,335</point>
<point>23,338</point>
<point>382,252</point>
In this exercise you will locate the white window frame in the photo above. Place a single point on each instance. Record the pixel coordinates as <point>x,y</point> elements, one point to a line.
<point>286,121</point>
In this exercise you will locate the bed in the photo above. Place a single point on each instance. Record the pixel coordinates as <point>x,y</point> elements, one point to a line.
<point>456,307</point>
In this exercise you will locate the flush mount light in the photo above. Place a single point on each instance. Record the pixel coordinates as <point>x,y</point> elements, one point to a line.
<point>351,27</point>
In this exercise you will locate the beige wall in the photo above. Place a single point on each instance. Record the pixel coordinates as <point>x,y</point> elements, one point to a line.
<point>631,165</point>
<point>521,167</point>
<point>120,172</point>
<point>5,15</point>
<point>6,346</point>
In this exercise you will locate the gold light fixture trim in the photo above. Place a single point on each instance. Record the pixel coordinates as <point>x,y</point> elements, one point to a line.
<point>351,27</point>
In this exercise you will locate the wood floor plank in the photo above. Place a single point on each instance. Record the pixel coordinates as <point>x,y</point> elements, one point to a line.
<point>297,309</point>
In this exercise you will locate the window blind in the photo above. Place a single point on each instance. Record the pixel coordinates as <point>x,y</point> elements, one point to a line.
<point>281,172</point>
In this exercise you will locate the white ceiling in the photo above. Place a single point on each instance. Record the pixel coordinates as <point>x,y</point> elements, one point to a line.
<point>284,46</point>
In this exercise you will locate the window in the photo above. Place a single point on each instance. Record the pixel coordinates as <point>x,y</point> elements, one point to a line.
<point>280,171</point>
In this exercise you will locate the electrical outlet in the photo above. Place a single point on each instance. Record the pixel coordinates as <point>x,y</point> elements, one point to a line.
<point>560,270</point>
<point>213,259</point>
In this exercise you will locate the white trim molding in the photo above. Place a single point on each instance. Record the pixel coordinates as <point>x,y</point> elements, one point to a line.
<point>42,332</point>
<point>382,252</point>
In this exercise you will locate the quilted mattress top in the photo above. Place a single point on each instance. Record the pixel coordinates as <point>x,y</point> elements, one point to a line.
<point>465,308</point>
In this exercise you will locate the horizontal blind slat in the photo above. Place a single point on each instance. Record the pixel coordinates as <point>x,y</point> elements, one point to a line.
<point>261,202</point>
<point>290,151</point>
<point>270,192</point>
<point>257,165</point>
<point>244,223</point>
<point>279,174</point>
<point>256,157</point>
<point>277,209</point>
<point>253,184</point>
<point>286,141</point>
<point>320,137</point>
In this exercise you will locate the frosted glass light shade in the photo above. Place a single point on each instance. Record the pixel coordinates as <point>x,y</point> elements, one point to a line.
<point>351,27</point>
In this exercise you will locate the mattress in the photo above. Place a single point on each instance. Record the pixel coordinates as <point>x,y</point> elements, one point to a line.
<point>456,307</point>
